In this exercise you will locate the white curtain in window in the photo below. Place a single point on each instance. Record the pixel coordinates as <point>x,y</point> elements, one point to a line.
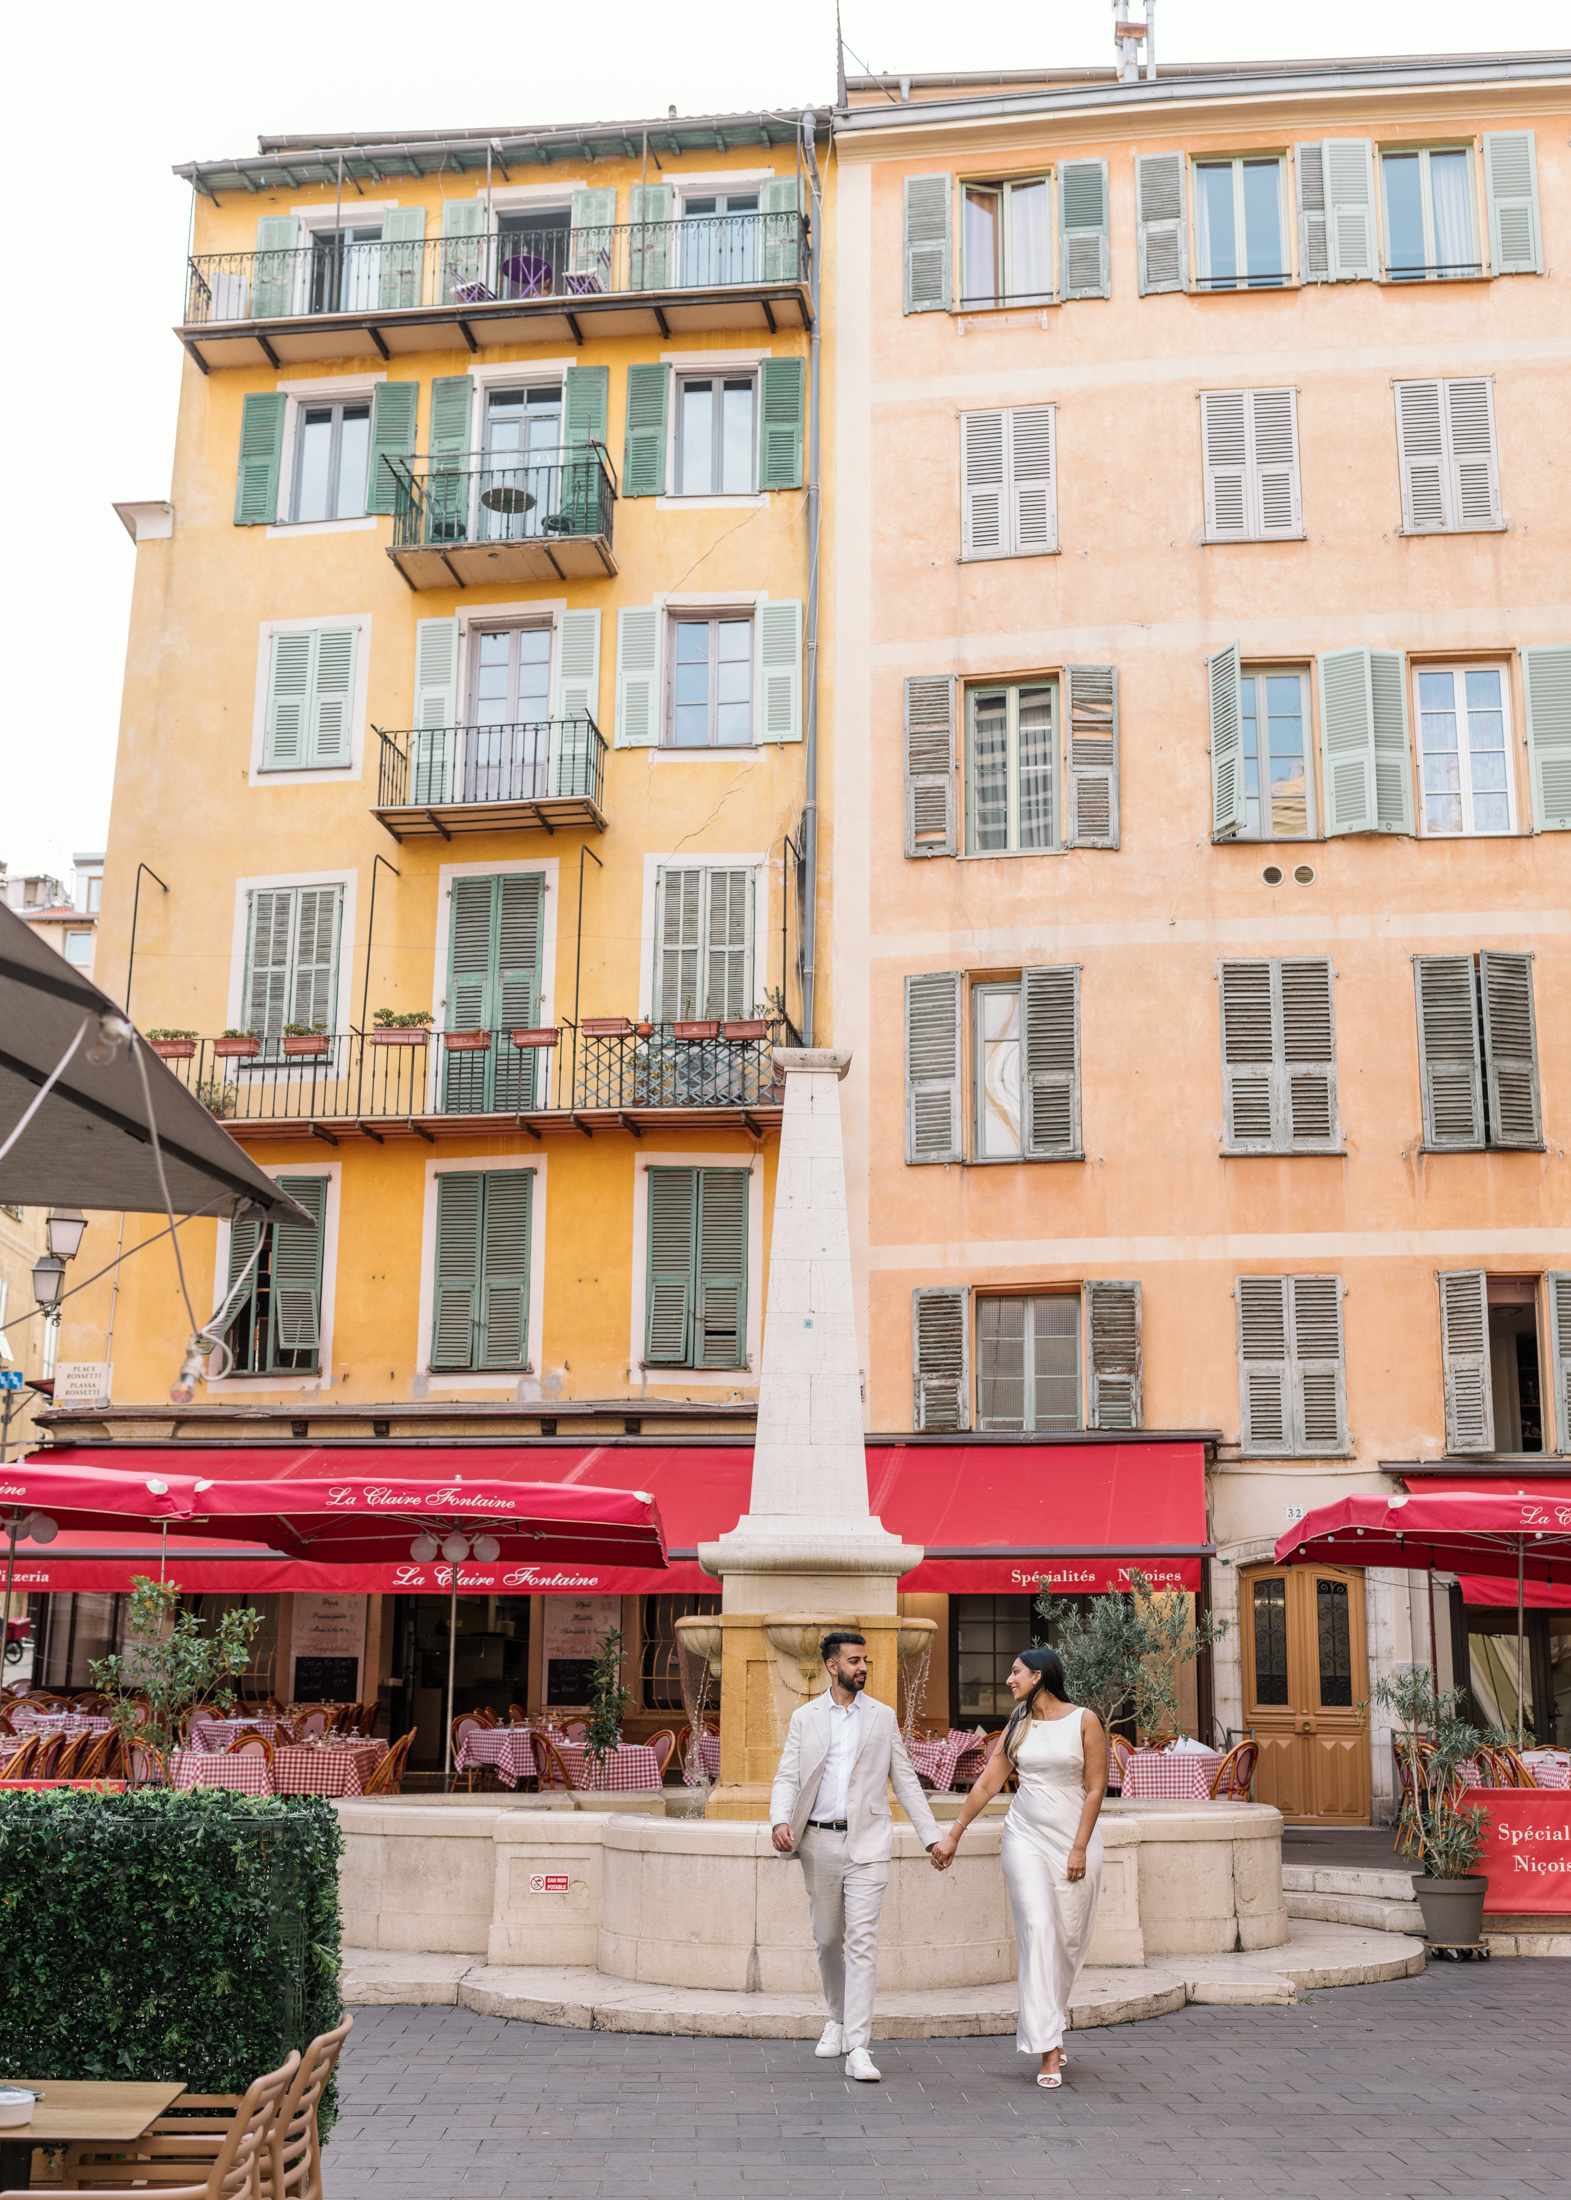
<point>1453,219</point>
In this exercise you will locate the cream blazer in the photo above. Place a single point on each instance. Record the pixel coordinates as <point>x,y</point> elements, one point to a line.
<point>880,1761</point>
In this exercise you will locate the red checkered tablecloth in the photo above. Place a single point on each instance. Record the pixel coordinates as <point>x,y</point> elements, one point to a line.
<point>633,1767</point>
<point>247,1770</point>
<point>1170,1776</point>
<point>298,1769</point>
<point>939,1761</point>
<point>508,1748</point>
<point>708,1765</point>
<point>61,1722</point>
<point>1550,1769</point>
<point>221,1732</point>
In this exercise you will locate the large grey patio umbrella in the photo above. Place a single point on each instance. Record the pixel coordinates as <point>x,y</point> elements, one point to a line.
<point>88,1145</point>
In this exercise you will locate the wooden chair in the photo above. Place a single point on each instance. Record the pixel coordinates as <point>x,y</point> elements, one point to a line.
<point>662,1744</point>
<point>1234,1776</point>
<point>229,2142</point>
<point>314,1721</point>
<point>251,1737</point>
<point>50,1747</point>
<point>1120,1751</point>
<point>550,1771</point>
<point>517,1715</point>
<point>470,1722</point>
<point>19,1765</point>
<point>388,1777</point>
<point>98,1762</point>
<point>370,1713</point>
<point>294,2149</point>
<point>69,1762</point>
<point>146,1762</point>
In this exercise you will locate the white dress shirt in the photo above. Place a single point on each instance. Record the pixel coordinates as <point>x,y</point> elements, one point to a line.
<point>845,1730</point>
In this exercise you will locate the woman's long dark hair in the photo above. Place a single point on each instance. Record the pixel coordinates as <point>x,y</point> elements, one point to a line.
<point>1049,1670</point>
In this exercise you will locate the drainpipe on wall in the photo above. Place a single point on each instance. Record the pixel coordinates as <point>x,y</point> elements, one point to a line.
<point>810,798</point>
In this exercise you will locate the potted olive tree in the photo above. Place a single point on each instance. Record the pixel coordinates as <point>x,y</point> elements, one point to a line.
<point>1121,1659</point>
<point>1432,1741</point>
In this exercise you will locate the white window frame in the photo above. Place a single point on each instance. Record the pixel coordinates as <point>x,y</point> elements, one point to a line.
<point>547,867</point>
<point>1012,687</point>
<point>83,940</point>
<point>1473,270</point>
<point>498,620</point>
<point>235,1015</point>
<point>698,614</point>
<point>648,948</point>
<point>1226,285</point>
<point>329,774</point>
<point>1249,670</point>
<point>311,390</point>
<point>701,499</point>
<point>337,405</point>
<point>1075,1293</point>
<point>744,1380</point>
<point>1458,668</point>
<point>302,1384</point>
<point>429,1380</point>
<point>682,364</point>
<point>1001,186</point>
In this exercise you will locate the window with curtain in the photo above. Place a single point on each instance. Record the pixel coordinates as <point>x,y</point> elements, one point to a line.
<point>1240,225</point>
<point>1011,737</point>
<point>1430,233</point>
<point>1007,237</point>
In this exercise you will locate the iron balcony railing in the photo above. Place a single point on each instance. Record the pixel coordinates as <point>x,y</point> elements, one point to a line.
<point>442,503</point>
<point>539,760</point>
<point>608,1064</point>
<point>370,278</point>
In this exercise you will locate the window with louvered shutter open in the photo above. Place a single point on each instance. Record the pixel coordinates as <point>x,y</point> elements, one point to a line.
<point>297,1273</point>
<point>1083,231</point>
<point>926,249</point>
<point>1050,1026</point>
<point>932,1019</point>
<point>1229,806</point>
<point>941,1359</point>
<point>1279,1056</point>
<point>1464,1347</point>
<point>1319,1376</point>
<point>1092,773</point>
<point>929,737</point>
<point>1505,983</point>
<point>1162,238</point>
<point>1546,677</point>
<point>1511,180</point>
<point>1450,1064</point>
<point>1559,1283</point>
<point>1115,1354</point>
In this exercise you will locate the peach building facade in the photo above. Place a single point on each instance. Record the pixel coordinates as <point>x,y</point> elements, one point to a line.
<point>1202,689</point>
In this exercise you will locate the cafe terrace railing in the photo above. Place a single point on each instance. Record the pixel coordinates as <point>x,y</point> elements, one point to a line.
<point>537,760</point>
<point>387,275</point>
<point>605,1063</point>
<point>474,497</point>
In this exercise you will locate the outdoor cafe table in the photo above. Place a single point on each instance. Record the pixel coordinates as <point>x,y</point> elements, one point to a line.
<point>507,1748</point>
<point>708,1765</point>
<point>1170,1775</point>
<point>224,1731</point>
<point>297,1770</point>
<point>61,1722</point>
<point>73,2110</point>
<point>634,1766</point>
<point>937,1760</point>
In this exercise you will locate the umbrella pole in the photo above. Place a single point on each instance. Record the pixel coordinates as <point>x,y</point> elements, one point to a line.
<point>1519,1544</point>
<point>5,1609</point>
<point>452,1659</point>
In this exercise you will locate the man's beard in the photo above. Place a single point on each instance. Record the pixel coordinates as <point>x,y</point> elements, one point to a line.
<point>855,1682</point>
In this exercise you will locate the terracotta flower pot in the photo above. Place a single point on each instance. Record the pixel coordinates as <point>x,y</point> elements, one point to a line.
<point>645,1031</point>
<point>1453,1908</point>
<point>745,1027</point>
<point>707,1027</point>
<point>173,1050</point>
<point>400,1035</point>
<point>542,1035</point>
<point>605,1027</point>
<point>466,1042</point>
<point>312,1045</point>
<point>242,1048</point>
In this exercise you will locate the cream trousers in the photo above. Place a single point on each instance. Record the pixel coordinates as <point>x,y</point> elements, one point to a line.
<point>844,1900</point>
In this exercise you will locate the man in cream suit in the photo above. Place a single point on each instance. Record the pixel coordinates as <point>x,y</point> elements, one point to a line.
<point>830,1807</point>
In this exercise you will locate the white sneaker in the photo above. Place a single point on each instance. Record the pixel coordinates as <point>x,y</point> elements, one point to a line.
<point>832,2043</point>
<point>860,2064</point>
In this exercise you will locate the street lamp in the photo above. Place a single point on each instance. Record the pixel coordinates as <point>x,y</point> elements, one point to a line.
<point>48,1276</point>
<point>64,1230</point>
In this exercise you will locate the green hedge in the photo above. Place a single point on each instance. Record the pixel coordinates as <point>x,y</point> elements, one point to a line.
<point>161,1935</point>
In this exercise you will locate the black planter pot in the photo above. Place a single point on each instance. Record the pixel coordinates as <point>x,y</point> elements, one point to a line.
<point>1453,1908</point>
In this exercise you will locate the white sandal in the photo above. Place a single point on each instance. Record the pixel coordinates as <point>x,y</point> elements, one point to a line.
<point>1050,2078</point>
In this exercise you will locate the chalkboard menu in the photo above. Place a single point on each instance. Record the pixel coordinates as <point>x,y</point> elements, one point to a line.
<point>327,1680</point>
<point>569,1681</point>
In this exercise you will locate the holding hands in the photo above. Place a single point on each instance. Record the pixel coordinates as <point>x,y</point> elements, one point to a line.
<point>943,1852</point>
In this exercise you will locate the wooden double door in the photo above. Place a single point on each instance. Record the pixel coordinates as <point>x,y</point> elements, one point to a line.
<point>1306,1685</point>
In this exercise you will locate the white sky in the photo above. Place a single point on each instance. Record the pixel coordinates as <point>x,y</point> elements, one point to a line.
<point>112,96</point>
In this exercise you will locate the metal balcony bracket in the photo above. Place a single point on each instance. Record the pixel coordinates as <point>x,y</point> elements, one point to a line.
<point>417,1132</point>
<point>397,836</point>
<point>578,335</point>
<point>458,579</point>
<point>436,824</point>
<point>375,335</point>
<point>581,1125</point>
<point>628,1123</point>
<point>366,1131</point>
<point>525,1125</point>
<point>197,356</point>
<point>661,322</point>
<point>328,1138</point>
<point>268,352</point>
<point>774,326</point>
<point>467,333</point>
<point>751,1125</point>
<point>551,554</point>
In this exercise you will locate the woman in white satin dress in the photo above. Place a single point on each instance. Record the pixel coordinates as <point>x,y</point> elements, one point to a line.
<point>1052,1851</point>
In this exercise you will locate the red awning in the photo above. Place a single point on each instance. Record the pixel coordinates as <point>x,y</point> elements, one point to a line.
<point>999,1518</point>
<point>1491,1594</point>
<point>1483,1526</point>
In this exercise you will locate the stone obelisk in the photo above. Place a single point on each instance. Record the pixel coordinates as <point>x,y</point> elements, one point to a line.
<point>807,1552</point>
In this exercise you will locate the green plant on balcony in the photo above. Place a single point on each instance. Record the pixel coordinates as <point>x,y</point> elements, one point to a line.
<point>387,1019</point>
<point>303,1031</point>
<point>170,1033</point>
<point>232,1031</point>
<point>217,1097</point>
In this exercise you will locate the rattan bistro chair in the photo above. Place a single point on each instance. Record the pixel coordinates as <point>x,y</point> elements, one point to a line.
<point>19,1765</point>
<point>1235,1775</point>
<point>663,1744</point>
<point>171,2162</point>
<point>1119,1751</point>
<point>549,1767</point>
<point>251,1737</point>
<point>388,1777</point>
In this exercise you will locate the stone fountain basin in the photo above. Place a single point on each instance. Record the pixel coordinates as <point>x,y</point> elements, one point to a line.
<point>695,1903</point>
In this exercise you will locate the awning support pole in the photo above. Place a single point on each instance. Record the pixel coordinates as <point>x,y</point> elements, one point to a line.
<point>1520,1541</point>
<point>10,1568</point>
<point>452,1660</point>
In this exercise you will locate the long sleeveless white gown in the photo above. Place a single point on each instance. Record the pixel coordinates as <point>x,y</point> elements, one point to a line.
<point>1053,1915</point>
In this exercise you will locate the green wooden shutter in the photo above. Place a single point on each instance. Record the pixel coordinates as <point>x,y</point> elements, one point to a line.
<point>1464,1350</point>
<point>1229,789</point>
<point>679,917</point>
<point>1250,1054</point>
<point>586,394</point>
<point>452,405</point>
<point>780,208</point>
<point>1388,718</point>
<point>1319,1373</point>
<point>508,1206</point>
<point>721,1304</point>
<point>469,956</point>
<point>779,714</point>
<point>930,766</point>
<point>927,249</point>
<point>516,985</point>
<point>577,704</point>
<point>286,724</point>
<point>1084,269</point>
<point>331,727</point>
<point>463,247</point>
<point>394,408</point>
<point>297,1271</point>
<point>277,266</point>
<point>1162,231</point>
<point>1050,1024</point>
<point>313,977</point>
<point>1114,1353</point>
<point>1511,180</point>
<point>941,1359</point>
<point>1092,759</point>
<point>261,455</point>
<point>1350,209</point>
<point>932,1021</point>
<point>449,437</point>
<point>652,213</point>
<point>1306,1107</point>
<point>401,260</point>
<point>1265,1405</point>
<point>1546,676</point>
<point>593,236</point>
<point>644,438</point>
<point>1559,1282</point>
<point>243,1238</point>
<point>782,412</point>
<point>1347,742</point>
<point>637,677</point>
<point>1505,986</point>
<point>728,943</point>
<point>456,1296</point>
<point>672,1257</point>
<point>1450,1065</point>
<point>434,734</point>
<point>267,961</point>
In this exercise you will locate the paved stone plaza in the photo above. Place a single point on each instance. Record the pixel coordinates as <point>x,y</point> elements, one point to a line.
<point>1451,2083</point>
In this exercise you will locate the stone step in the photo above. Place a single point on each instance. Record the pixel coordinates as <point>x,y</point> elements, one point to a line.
<point>1316,1955</point>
